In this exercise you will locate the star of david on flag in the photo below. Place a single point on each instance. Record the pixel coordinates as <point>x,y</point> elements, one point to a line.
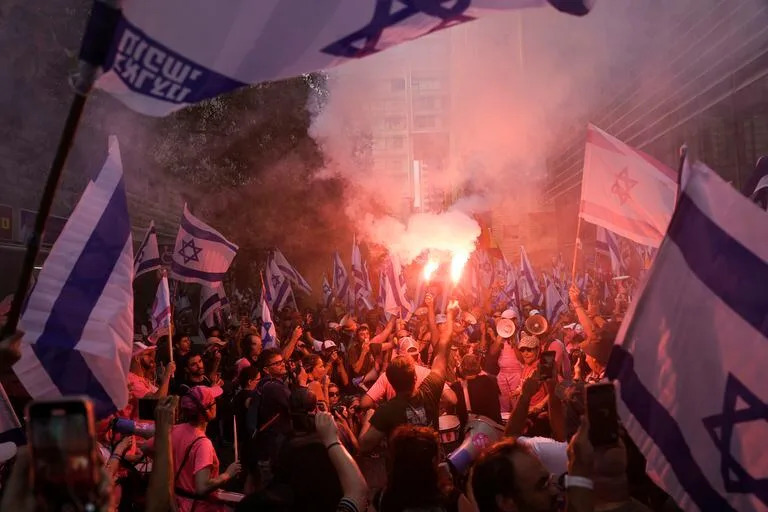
<point>155,62</point>
<point>277,287</point>
<point>341,285</point>
<point>290,272</point>
<point>625,190</point>
<point>268,333</point>
<point>687,360</point>
<point>201,255</point>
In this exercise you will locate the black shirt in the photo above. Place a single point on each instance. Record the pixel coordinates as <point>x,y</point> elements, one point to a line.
<point>421,409</point>
<point>483,393</point>
<point>273,415</point>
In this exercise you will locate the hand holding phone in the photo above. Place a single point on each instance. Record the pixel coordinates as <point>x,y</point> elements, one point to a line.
<point>602,415</point>
<point>62,441</point>
<point>547,365</point>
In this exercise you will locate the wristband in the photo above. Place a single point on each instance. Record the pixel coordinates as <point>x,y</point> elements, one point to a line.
<point>579,481</point>
<point>335,443</point>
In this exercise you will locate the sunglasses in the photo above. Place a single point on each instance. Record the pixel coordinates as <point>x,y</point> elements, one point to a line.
<point>332,393</point>
<point>527,349</point>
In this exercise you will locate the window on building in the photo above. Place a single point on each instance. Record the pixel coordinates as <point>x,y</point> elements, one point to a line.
<point>426,84</point>
<point>394,122</point>
<point>424,122</point>
<point>396,142</point>
<point>397,84</point>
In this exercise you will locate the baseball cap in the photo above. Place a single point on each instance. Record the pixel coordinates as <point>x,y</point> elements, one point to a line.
<point>509,314</point>
<point>140,347</point>
<point>576,327</point>
<point>213,340</point>
<point>528,342</point>
<point>407,345</point>
<point>329,344</point>
<point>200,395</point>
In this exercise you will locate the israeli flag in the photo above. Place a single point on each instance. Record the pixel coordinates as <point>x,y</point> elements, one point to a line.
<point>608,242</point>
<point>290,272</point>
<point>148,256</point>
<point>341,288</point>
<point>277,287</point>
<point>212,300</point>
<point>202,255</point>
<point>395,301</point>
<point>689,359</point>
<point>555,305</point>
<point>529,284</point>
<point>327,292</point>
<point>359,273</point>
<point>79,317</point>
<point>161,311</point>
<point>161,56</point>
<point>381,298</point>
<point>268,333</point>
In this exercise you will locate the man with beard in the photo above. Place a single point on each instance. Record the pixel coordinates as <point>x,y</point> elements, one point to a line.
<point>194,373</point>
<point>141,378</point>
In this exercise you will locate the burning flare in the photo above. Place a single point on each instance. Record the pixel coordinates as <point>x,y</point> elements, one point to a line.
<point>457,265</point>
<point>429,268</point>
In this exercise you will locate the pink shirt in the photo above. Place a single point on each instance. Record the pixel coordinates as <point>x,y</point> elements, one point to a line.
<point>138,387</point>
<point>200,457</point>
<point>508,362</point>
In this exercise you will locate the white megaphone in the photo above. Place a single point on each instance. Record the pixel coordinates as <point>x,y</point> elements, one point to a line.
<point>481,432</point>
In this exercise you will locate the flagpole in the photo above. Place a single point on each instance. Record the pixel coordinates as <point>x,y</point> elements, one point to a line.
<point>170,321</point>
<point>81,84</point>
<point>680,165</point>
<point>576,250</point>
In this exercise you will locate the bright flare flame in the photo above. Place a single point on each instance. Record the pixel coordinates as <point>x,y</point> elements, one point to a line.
<point>457,265</point>
<point>430,268</point>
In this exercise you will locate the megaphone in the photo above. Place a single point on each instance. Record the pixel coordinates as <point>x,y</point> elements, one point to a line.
<point>536,325</point>
<point>505,327</point>
<point>481,432</point>
<point>127,426</point>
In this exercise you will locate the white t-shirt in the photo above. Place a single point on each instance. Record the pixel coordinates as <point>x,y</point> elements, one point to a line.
<point>553,454</point>
<point>382,390</point>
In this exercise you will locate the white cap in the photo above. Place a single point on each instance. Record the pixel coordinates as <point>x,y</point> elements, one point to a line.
<point>328,344</point>
<point>140,347</point>
<point>509,314</point>
<point>406,345</point>
<point>534,312</point>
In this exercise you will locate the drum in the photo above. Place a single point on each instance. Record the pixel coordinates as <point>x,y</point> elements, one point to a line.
<point>449,431</point>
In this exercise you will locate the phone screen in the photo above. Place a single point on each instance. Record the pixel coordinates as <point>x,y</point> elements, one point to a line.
<point>603,418</point>
<point>547,365</point>
<point>63,446</point>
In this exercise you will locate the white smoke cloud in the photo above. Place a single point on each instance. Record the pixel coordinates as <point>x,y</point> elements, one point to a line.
<point>451,232</point>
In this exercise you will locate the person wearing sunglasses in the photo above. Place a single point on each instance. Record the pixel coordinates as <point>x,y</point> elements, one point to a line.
<point>529,350</point>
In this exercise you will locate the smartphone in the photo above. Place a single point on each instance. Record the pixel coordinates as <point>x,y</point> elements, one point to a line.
<point>65,465</point>
<point>547,365</point>
<point>147,408</point>
<point>603,418</point>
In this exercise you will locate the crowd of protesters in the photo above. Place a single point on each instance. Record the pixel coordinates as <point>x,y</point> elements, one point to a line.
<point>369,411</point>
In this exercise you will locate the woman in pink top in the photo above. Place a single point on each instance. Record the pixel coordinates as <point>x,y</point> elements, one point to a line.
<point>195,464</point>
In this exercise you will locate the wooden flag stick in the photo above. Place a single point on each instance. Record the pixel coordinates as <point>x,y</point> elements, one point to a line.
<point>576,250</point>
<point>234,430</point>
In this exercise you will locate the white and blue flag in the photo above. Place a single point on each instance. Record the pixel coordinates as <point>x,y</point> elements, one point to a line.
<point>201,255</point>
<point>277,287</point>
<point>361,281</point>
<point>290,272</point>
<point>213,300</point>
<point>79,317</point>
<point>395,300</point>
<point>607,242</point>
<point>529,285</point>
<point>690,357</point>
<point>161,56</point>
<point>161,311</point>
<point>268,332</point>
<point>148,256</point>
<point>341,285</point>
<point>554,303</point>
<point>327,292</point>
